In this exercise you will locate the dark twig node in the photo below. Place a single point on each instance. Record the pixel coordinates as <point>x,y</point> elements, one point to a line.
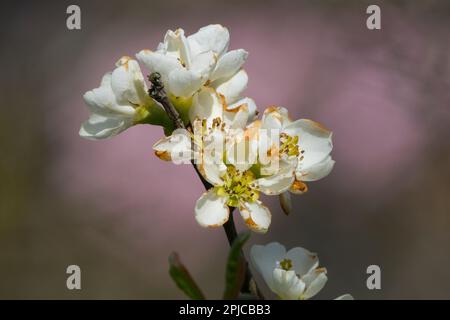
<point>158,93</point>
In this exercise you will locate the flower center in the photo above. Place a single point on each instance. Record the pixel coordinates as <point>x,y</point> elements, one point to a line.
<point>285,264</point>
<point>289,145</point>
<point>238,187</point>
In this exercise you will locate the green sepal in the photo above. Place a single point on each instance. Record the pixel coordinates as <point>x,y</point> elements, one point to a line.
<point>155,115</point>
<point>183,105</point>
<point>180,275</point>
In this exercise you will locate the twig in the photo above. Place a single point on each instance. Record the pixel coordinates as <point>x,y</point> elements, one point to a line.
<point>158,93</point>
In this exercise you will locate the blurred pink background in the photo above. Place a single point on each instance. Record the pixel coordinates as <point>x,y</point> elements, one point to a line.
<point>117,211</point>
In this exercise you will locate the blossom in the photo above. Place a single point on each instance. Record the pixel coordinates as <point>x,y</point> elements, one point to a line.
<point>120,102</point>
<point>186,64</point>
<point>209,104</point>
<point>176,148</point>
<point>237,186</point>
<point>292,275</point>
<point>199,83</point>
<point>236,181</point>
<point>183,145</point>
<point>234,184</point>
<point>207,113</point>
<point>306,140</point>
<point>192,69</point>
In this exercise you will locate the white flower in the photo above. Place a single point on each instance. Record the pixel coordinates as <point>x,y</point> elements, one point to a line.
<point>210,105</point>
<point>192,69</point>
<point>211,127</point>
<point>207,114</point>
<point>120,102</point>
<point>308,141</point>
<point>238,186</point>
<point>188,63</point>
<point>305,139</point>
<point>292,275</point>
<point>176,148</point>
<point>234,175</point>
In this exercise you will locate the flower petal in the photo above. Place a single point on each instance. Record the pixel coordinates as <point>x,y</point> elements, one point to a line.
<point>275,117</point>
<point>236,119</point>
<point>229,64</point>
<point>101,127</point>
<point>213,172</point>
<point>233,87</point>
<point>212,166</point>
<point>176,147</point>
<point>102,101</point>
<point>176,45</point>
<point>265,258</point>
<point>316,171</point>
<point>183,83</point>
<point>287,285</point>
<point>236,111</point>
<point>280,181</point>
<point>251,105</point>
<point>242,149</point>
<point>206,104</point>
<point>314,140</point>
<point>256,216</point>
<point>106,80</point>
<point>159,62</point>
<point>127,83</point>
<point>213,37</point>
<point>211,210</point>
<point>319,281</point>
<point>203,64</point>
<point>303,261</point>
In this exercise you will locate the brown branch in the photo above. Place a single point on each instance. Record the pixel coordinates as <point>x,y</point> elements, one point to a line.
<point>158,93</point>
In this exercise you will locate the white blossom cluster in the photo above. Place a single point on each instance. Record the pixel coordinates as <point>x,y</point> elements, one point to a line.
<point>240,155</point>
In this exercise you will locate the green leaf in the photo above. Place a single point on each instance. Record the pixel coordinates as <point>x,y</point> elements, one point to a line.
<point>235,272</point>
<point>180,275</point>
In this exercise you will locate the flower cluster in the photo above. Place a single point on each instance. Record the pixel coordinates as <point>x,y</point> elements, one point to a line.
<point>239,155</point>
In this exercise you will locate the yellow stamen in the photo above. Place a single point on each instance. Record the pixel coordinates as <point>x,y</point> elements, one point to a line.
<point>238,187</point>
<point>286,264</point>
<point>289,145</point>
